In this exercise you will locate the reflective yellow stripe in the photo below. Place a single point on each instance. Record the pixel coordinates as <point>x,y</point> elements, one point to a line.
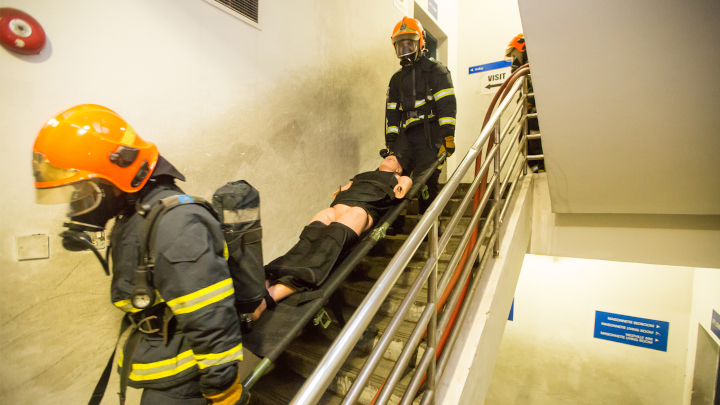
<point>214,359</point>
<point>162,369</point>
<point>391,106</point>
<point>392,130</point>
<point>202,298</point>
<point>442,93</point>
<point>447,121</point>
<point>128,137</point>
<point>411,120</point>
<point>418,103</point>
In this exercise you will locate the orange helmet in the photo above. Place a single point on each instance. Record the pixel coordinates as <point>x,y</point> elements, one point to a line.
<point>516,48</point>
<point>88,142</point>
<point>408,37</point>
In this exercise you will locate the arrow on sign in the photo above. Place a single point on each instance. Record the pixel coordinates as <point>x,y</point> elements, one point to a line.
<point>657,333</point>
<point>657,340</point>
<point>657,326</point>
<point>490,86</point>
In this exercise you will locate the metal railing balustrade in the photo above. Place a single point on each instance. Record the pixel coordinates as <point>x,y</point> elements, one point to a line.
<point>431,366</point>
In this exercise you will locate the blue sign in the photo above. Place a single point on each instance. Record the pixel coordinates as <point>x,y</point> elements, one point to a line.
<point>433,8</point>
<point>512,309</point>
<point>630,330</point>
<point>715,324</point>
<point>489,66</point>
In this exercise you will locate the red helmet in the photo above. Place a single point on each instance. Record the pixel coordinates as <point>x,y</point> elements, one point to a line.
<point>408,37</point>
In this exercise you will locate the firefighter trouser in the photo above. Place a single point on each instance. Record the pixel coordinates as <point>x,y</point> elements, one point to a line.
<point>187,393</point>
<point>422,151</point>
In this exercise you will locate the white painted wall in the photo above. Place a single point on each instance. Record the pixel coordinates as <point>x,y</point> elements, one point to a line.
<point>295,108</point>
<point>484,30</point>
<point>549,355</point>
<point>676,240</point>
<point>626,97</point>
<point>705,300</point>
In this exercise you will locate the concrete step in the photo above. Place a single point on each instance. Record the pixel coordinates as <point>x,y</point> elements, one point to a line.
<point>354,292</point>
<point>412,220</point>
<point>390,244</point>
<point>305,353</point>
<point>449,209</point>
<point>380,322</point>
<point>280,386</point>
<point>460,191</point>
<point>371,267</point>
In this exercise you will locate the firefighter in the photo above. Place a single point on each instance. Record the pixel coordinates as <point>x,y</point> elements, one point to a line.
<point>516,53</point>
<point>185,341</point>
<point>421,106</point>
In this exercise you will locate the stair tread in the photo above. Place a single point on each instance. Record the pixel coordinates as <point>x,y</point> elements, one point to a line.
<point>280,386</point>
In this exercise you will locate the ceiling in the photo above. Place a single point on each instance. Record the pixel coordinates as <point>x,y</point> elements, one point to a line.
<point>628,98</point>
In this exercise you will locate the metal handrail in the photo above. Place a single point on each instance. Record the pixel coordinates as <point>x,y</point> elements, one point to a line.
<point>317,383</point>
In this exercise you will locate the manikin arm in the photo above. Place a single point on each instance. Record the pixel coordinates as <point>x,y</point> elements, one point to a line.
<point>345,187</point>
<point>403,186</point>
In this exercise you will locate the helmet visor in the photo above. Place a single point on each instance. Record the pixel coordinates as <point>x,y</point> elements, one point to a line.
<point>44,171</point>
<point>405,47</point>
<point>83,196</point>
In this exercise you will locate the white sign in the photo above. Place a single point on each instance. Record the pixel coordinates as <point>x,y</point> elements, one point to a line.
<point>402,5</point>
<point>491,81</point>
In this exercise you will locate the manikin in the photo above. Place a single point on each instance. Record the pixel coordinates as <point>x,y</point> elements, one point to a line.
<point>356,207</point>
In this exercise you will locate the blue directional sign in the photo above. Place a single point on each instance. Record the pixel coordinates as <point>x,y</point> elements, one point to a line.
<point>433,8</point>
<point>512,309</point>
<point>715,324</point>
<point>489,66</point>
<point>630,330</point>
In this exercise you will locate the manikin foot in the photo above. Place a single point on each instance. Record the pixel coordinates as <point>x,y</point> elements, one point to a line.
<point>278,292</point>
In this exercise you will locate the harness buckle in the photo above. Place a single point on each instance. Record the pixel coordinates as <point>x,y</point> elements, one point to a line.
<point>144,325</point>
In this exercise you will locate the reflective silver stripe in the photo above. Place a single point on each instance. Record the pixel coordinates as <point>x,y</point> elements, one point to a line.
<point>240,216</point>
<point>214,359</point>
<point>202,298</point>
<point>391,106</point>
<point>392,130</point>
<point>418,103</point>
<point>447,120</point>
<point>442,93</point>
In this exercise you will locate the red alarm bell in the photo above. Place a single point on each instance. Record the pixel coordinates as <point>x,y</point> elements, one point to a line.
<point>20,33</point>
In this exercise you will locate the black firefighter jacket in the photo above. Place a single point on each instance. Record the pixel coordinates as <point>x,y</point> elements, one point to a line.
<point>192,278</point>
<point>434,97</point>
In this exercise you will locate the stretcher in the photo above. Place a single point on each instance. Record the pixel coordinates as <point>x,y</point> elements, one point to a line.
<point>276,329</point>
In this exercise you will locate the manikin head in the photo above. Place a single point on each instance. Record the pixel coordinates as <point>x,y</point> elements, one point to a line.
<point>391,164</point>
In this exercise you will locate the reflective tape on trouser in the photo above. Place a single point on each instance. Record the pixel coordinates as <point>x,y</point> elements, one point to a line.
<point>391,106</point>
<point>392,130</point>
<point>202,298</point>
<point>161,369</point>
<point>215,359</point>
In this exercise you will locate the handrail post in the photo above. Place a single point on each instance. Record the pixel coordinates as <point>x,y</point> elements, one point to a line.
<point>496,189</point>
<point>432,298</point>
<point>525,126</point>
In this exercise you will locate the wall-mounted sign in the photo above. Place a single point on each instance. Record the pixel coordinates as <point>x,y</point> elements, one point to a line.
<point>433,8</point>
<point>489,66</point>
<point>512,309</point>
<point>492,80</point>
<point>630,330</point>
<point>715,324</point>
<point>402,5</point>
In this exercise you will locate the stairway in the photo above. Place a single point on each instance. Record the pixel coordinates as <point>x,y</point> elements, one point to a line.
<point>303,355</point>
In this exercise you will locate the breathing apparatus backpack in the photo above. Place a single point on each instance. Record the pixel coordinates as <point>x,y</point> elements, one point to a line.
<point>237,206</point>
